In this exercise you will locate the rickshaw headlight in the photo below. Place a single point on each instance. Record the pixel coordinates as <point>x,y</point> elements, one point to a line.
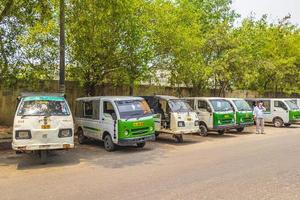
<point>126,132</point>
<point>65,133</point>
<point>196,123</point>
<point>180,124</point>
<point>23,134</point>
<point>151,128</point>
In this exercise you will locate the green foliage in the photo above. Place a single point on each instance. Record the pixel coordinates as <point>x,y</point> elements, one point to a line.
<point>125,42</point>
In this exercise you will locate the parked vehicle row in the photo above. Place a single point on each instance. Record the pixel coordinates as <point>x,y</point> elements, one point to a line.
<point>44,122</point>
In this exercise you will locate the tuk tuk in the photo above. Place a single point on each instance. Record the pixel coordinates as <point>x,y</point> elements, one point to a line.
<point>173,116</point>
<point>114,120</point>
<point>215,114</point>
<point>279,112</point>
<point>43,122</point>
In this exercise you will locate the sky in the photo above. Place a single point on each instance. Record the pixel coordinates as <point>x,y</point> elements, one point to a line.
<point>276,9</point>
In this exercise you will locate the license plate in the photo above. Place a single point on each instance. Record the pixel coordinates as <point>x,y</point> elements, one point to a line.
<point>45,126</point>
<point>189,119</point>
<point>23,134</point>
<point>226,116</point>
<point>138,124</point>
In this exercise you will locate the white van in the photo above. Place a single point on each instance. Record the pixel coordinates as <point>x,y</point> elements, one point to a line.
<point>42,122</point>
<point>215,114</point>
<point>280,112</point>
<point>173,116</point>
<point>114,120</point>
<point>243,113</point>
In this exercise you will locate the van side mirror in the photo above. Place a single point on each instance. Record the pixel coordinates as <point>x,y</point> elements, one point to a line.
<point>209,109</point>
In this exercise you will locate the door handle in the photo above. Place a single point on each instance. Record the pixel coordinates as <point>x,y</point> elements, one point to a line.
<point>103,119</point>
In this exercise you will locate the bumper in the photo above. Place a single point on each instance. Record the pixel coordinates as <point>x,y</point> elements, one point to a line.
<point>224,127</point>
<point>179,132</point>
<point>244,124</point>
<point>50,146</point>
<point>129,141</point>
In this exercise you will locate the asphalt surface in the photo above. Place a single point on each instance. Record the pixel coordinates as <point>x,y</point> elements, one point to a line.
<point>233,166</point>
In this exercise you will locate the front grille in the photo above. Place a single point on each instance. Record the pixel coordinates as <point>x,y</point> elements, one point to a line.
<point>139,131</point>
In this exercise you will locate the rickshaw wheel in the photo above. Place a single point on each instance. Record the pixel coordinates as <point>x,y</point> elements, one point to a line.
<point>43,156</point>
<point>108,143</point>
<point>221,132</point>
<point>141,144</point>
<point>179,138</point>
<point>240,129</point>
<point>203,131</point>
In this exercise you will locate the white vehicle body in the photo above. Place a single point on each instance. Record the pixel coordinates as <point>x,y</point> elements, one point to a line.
<point>209,116</point>
<point>173,116</point>
<point>99,116</point>
<point>43,122</point>
<point>278,111</point>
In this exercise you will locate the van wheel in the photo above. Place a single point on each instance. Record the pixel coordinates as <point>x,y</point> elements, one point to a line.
<point>240,129</point>
<point>287,125</point>
<point>178,138</point>
<point>278,122</point>
<point>141,144</point>
<point>81,138</point>
<point>203,131</point>
<point>43,156</point>
<point>221,132</point>
<point>108,143</point>
<point>156,134</point>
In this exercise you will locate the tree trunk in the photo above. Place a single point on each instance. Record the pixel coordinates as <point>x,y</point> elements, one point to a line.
<point>131,89</point>
<point>62,47</point>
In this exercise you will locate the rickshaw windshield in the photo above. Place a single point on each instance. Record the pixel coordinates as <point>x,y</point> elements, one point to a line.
<point>178,105</point>
<point>242,105</point>
<point>220,105</point>
<point>43,106</point>
<point>133,108</point>
<point>291,104</point>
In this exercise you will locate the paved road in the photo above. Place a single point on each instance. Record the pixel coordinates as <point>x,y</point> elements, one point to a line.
<point>233,166</point>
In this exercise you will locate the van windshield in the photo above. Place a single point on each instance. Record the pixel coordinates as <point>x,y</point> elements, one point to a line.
<point>178,105</point>
<point>242,105</point>
<point>43,106</point>
<point>292,104</point>
<point>221,105</point>
<point>133,108</point>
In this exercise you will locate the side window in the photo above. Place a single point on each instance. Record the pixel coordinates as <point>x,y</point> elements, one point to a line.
<point>202,105</point>
<point>79,109</point>
<point>88,109</point>
<point>267,105</point>
<point>190,102</point>
<point>96,106</point>
<point>108,110</point>
<point>280,104</point>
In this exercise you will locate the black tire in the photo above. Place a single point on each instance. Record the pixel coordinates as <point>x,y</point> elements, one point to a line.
<point>108,143</point>
<point>287,125</point>
<point>81,138</point>
<point>221,132</point>
<point>278,122</point>
<point>156,134</point>
<point>241,129</point>
<point>203,131</point>
<point>178,138</point>
<point>141,144</point>
<point>43,156</point>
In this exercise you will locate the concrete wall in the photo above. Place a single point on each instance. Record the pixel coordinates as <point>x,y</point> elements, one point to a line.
<point>8,96</point>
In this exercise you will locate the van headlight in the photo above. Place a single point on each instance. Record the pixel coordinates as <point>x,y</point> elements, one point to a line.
<point>180,124</point>
<point>23,134</point>
<point>65,133</point>
<point>126,132</point>
<point>196,123</point>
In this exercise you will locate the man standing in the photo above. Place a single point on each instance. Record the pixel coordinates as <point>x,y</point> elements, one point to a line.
<point>259,117</point>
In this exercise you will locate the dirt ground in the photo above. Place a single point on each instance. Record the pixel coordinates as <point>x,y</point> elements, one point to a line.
<point>233,166</point>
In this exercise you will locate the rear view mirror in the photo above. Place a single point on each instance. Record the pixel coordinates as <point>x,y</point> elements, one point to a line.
<point>208,109</point>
